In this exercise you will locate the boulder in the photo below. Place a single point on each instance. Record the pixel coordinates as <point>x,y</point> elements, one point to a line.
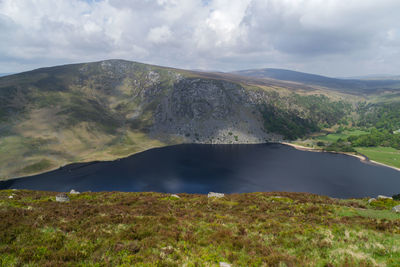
<point>371,200</point>
<point>175,195</point>
<point>73,192</point>
<point>224,264</point>
<point>396,209</point>
<point>62,197</point>
<point>384,197</point>
<point>218,195</point>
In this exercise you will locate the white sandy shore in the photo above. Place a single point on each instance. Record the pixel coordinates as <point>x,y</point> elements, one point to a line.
<point>360,157</point>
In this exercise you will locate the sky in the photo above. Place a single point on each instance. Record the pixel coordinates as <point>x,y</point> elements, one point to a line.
<point>338,38</point>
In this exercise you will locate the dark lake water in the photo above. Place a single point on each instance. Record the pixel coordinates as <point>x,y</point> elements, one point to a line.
<point>222,168</point>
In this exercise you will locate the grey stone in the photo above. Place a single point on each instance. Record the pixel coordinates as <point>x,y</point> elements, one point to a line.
<point>384,197</point>
<point>218,195</point>
<point>166,251</point>
<point>174,195</point>
<point>396,209</point>
<point>224,264</point>
<point>371,200</point>
<point>62,197</point>
<point>73,192</point>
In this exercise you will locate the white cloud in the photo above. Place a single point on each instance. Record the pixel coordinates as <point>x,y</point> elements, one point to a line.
<point>323,36</point>
<point>160,34</point>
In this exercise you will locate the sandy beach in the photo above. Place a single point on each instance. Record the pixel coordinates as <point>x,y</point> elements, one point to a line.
<point>362,158</point>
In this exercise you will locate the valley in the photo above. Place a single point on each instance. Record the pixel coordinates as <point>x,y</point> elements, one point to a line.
<point>105,110</point>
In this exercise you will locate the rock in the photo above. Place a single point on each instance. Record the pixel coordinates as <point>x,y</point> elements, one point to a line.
<point>175,195</point>
<point>383,197</point>
<point>371,200</point>
<point>396,209</point>
<point>73,192</point>
<point>218,195</point>
<point>11,197</point>
<point>62,197</point>
<point>224,264</point>
<point>165,251</point>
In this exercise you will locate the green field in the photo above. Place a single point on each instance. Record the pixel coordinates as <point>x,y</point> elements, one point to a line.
<point>336,136</point>
<point>156,229</point>
<point>385,155</point>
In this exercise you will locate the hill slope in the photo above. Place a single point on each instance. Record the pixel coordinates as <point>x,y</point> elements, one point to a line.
<point>105,110</point>
<point>154,229</point>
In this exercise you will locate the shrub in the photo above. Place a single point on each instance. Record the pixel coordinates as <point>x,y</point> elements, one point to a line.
<point>396,197</point>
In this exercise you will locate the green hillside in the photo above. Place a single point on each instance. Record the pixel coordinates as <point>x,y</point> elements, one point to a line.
<point>154,229</point>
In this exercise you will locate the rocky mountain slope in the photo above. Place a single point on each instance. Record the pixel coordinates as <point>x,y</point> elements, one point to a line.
<point>104,110</point>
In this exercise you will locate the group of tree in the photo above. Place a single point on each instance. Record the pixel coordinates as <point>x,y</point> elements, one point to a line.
<point>379,116</point>
<point>297,115</point>
<point>376,138</point>
<point>381,121</point>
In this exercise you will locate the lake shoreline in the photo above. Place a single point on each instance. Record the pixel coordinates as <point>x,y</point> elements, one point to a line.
<point>361,157</point>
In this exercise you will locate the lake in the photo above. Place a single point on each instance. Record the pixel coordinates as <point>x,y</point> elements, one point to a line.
<point>195,168</point>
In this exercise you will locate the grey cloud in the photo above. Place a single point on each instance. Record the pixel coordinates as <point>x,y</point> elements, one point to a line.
<point>328,37</point>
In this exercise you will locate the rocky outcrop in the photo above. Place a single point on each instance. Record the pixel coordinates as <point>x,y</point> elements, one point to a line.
<point>396,209</point>
<point>383,197</point>
<point>210,111</point>
<point>217,195</point>
<point>62,197</point>
<point>74,192</point>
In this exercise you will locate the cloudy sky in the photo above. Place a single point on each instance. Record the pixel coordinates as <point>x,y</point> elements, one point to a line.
<point>329,37</point>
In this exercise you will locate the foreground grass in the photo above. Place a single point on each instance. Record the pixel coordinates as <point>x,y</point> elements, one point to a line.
<point>386,155</point>
<point>154,229</point>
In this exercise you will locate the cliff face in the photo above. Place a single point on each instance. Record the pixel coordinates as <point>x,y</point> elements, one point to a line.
<point>210,111</point>
<point>105,110</point>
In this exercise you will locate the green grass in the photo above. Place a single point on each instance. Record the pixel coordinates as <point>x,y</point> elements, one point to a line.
<point>41,165</point>
<point>153,229</point>
<point>368,213</point>
<point>385,155</point>
<point>336,136</point>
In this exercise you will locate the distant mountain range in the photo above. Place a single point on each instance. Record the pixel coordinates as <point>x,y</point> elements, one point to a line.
<point>345,85</point>
<point>374,77</point>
